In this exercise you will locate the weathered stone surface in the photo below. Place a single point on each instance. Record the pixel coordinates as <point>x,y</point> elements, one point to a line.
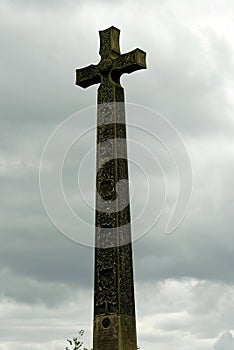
<point>114,332</point>
<point>114,307</point>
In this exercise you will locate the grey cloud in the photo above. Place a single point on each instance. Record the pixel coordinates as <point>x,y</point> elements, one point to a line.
<point>187,82</point>
<point>31,291</point>
<point>184,85</point>
<point>179,307</point>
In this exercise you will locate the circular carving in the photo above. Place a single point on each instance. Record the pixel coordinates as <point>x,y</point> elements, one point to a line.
<point>108,221</point>
<point>105,65</point>
<point>107,188</point>
<point>106,322</point>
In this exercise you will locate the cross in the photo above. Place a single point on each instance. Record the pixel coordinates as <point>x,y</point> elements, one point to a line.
<point>114,306</point>
<point>112,64</point>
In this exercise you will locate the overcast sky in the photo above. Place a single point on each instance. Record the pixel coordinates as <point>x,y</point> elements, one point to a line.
<point>184,282</point>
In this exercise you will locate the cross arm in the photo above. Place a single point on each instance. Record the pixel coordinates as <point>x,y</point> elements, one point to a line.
<point>87,76</point>
<point>129,62</point>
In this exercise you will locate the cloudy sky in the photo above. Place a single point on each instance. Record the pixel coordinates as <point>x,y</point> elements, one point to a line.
<point>184,281</point>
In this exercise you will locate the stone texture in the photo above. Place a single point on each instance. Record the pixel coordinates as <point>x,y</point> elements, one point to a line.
<point>114,307</point>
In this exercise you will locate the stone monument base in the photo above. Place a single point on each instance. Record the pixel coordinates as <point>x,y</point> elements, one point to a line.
<point>114,332</point>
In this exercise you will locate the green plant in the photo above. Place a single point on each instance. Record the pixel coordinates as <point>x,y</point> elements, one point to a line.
<point>76,343</point>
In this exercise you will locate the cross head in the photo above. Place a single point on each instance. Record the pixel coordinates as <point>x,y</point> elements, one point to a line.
<point>112,64</point>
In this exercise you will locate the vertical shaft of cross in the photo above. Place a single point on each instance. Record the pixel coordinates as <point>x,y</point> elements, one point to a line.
<point>114,307</point>
<point>114,312</point>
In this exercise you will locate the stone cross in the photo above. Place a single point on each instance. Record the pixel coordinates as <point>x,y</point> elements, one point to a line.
<point>114,306</point>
